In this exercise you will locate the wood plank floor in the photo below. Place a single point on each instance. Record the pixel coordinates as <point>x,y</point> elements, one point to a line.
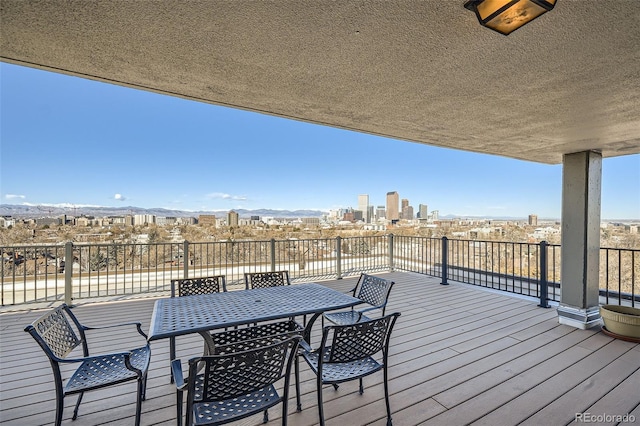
<point>459,355</point>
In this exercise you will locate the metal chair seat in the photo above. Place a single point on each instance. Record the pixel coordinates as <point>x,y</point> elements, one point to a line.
<point>342,372</point>
<point>346,317</point>
<point>229,410</point>
<point>104,370</point>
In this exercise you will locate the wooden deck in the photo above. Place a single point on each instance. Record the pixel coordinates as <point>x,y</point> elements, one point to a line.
<point>460,355</point>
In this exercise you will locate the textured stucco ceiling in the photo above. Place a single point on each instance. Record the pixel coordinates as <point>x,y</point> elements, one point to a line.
<point>422,71</point>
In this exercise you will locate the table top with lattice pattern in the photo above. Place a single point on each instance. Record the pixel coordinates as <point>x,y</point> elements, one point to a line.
<point>191,314</point>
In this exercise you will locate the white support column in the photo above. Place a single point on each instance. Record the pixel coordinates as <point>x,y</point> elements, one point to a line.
<point>581,190</point>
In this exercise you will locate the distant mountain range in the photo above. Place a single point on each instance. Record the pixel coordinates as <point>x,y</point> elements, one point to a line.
<point>29,211</point>
<point>46,211</point>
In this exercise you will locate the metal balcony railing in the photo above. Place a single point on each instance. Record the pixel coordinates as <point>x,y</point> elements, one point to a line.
<point>37,273</point>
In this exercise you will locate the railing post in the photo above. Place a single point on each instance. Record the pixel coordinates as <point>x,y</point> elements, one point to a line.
<point>542,281</point>
<point>445,252</point>
<point>338,257</point>
<point>273,255</point>
<point>391,261</point>
<point>185,259</point>
<point>68,273</point>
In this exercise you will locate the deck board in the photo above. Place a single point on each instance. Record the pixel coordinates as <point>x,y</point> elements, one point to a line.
<point>621,399</point>
<point>459,355</point>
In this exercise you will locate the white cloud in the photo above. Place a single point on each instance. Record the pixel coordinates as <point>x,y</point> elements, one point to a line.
<point>119,197</point>
<point>223,196</point>
<point>14,196</point>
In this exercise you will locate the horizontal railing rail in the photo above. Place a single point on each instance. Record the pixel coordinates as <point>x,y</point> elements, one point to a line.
<point>35,273</point>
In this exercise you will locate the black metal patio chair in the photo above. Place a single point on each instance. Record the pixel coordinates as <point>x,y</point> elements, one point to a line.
<point>244,339</point>
<point>201,285</point>
<point>57,337</point>
<point>247,338</point>
<point>372,290</point>
<point>349,352</point>
<point>191,287</point>
<point>266,279</point>
<point>236,383</point>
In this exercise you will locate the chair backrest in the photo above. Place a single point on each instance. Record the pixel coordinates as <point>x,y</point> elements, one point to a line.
<point>373,290</point>
<point>266,279</point>
<point>235,374</point>
<point>202,285</point>
<point>246,338</point>
<point>55,335</point>
<point>360,340</point>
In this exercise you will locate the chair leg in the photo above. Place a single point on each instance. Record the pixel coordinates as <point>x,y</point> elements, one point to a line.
<point>297,377</point>
<point>188,420</point>
<point>285,401</point>
<point>320,409</point>
<point>172,354</point>
<point>386,394</point>
<point>361,387</point>
<point>179,408</point>
<point>265,419</point>
<point>139,401</point>
<point>75,410</point>
<point>144,386</point>
<point>59,408</point>
<point>336,386</point>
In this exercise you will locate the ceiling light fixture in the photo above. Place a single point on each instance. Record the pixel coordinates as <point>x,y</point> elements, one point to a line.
<point>506,16</point>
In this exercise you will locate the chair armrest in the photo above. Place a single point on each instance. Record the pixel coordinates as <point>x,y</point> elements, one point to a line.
<point>371,308</point>
<point>89,358</point>
<point>178,377</point>
<point>305,346</point>
<point>126,358</point>
<point>137,324</point>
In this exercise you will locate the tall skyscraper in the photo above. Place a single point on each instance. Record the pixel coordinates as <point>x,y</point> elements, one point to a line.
<point>380,213</point>
<point>232,218</point>
<point>423,211</point>
<point>363,206</point>
<point>533,219</point>
<point>406,211</point>
<point>393,202</point>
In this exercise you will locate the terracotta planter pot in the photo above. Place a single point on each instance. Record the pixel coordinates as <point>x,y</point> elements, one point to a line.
<point>621,320</point>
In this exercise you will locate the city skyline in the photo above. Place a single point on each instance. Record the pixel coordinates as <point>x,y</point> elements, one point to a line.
<point>76,142</point>
<point>355,214</point>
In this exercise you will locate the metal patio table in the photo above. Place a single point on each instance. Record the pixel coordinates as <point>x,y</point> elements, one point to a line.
<point>177,316</point>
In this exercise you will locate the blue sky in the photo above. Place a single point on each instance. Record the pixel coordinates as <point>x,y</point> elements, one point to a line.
<point>67,140</point>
